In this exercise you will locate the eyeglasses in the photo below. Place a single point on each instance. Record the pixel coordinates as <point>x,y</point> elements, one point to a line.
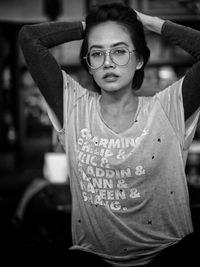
<point>118,55</point>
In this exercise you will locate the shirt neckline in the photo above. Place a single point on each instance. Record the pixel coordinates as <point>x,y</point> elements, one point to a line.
<point>108,127</point>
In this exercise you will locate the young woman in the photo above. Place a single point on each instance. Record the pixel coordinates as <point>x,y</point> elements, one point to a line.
<point>126,154</point>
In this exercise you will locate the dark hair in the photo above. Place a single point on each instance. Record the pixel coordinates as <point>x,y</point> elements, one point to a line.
<point>127,17</point>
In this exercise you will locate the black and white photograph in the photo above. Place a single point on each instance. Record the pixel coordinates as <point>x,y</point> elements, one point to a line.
<point>100,133</point>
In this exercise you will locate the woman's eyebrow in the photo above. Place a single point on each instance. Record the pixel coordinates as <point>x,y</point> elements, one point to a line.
<point>120,43</point>
<point>113,45</point>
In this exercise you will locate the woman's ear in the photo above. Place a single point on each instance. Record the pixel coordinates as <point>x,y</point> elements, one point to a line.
<point>90,71</point>
<point>140,63</point>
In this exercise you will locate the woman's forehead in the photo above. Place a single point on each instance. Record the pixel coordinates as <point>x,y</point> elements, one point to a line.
<point>108,34</point>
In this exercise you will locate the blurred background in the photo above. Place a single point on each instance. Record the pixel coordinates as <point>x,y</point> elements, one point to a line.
<point>34,207</point>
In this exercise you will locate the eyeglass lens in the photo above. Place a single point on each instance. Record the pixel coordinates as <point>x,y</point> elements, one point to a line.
<point>119,56</point>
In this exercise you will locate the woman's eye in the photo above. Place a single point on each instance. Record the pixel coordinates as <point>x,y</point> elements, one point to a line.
<point>120,51</point>
<point>96,54</point>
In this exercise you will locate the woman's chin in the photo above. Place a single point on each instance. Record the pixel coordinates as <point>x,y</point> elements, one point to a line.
<point>110,88</point>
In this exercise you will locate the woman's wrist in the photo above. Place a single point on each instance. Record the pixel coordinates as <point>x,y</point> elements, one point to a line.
<point>155,24</point>
<point>84,25</point>
<point>151,23</point>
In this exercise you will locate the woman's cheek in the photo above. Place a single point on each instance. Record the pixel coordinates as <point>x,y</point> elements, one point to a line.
<point>97,79</point>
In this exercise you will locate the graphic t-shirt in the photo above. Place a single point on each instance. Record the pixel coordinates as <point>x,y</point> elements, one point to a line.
<point>129,189</point>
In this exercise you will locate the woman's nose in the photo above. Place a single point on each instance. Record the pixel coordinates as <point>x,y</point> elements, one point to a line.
<point>108,61</point>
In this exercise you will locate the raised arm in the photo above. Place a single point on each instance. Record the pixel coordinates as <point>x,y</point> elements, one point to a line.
<point>189,40</point>
<point>35,41</point>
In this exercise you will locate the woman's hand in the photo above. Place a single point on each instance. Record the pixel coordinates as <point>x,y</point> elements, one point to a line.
<point>150,22</point>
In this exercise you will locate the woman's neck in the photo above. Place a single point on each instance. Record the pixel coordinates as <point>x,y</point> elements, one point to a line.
<point>118,103</point>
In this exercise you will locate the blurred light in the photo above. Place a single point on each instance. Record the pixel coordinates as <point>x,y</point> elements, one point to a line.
<point>166,73</point>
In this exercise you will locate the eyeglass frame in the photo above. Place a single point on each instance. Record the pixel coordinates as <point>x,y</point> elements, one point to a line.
<point>107,52</point>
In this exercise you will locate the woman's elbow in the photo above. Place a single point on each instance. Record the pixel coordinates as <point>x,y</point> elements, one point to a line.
<point>24,35</point>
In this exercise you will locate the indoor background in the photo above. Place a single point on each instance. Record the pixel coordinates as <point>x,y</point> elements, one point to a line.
<point>35,196</point>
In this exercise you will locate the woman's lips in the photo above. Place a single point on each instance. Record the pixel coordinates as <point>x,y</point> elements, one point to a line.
<point>110,77</point>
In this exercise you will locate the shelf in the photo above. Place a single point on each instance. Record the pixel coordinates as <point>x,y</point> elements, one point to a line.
<point>171,10</point>
<point>171,62</point>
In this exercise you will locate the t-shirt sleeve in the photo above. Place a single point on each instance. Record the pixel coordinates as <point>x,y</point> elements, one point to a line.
<point>72,91</point>
<point>172,103</point>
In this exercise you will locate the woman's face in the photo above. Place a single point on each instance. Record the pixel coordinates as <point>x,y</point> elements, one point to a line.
<point>111,77</point>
